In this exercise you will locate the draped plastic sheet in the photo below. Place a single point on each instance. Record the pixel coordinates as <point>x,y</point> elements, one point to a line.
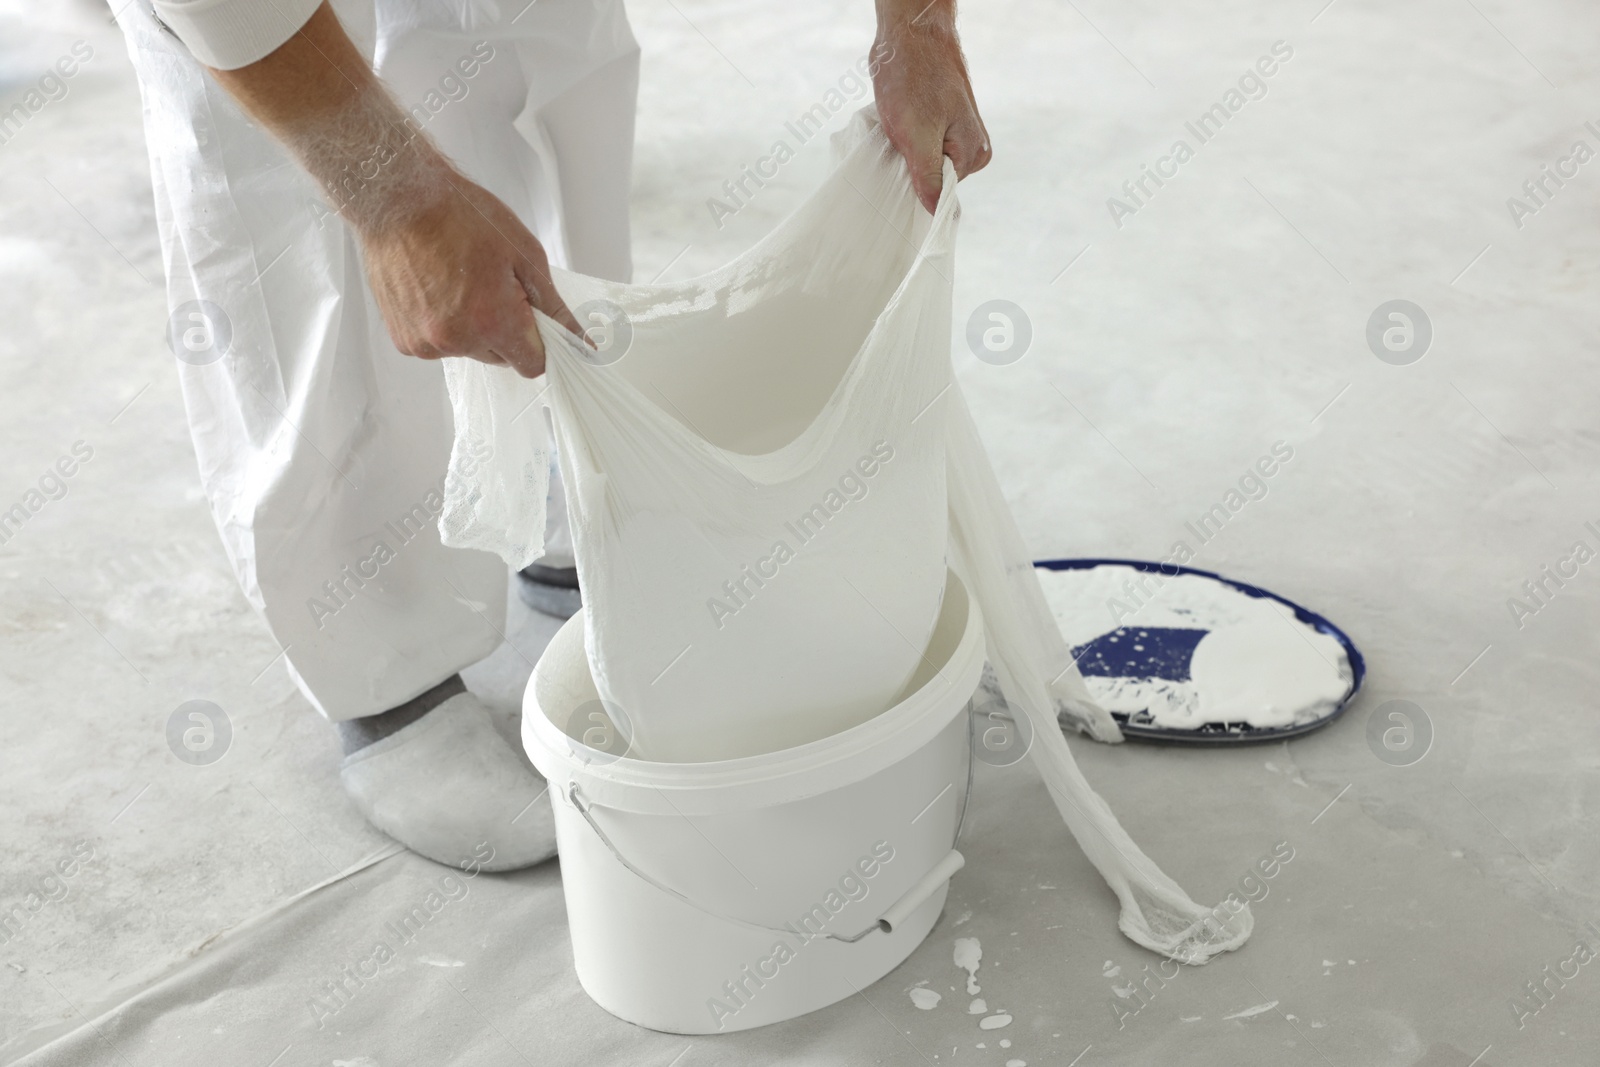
<point>817,362</point>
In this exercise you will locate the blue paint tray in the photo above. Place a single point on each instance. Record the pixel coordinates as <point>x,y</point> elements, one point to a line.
<point>1165,652</point>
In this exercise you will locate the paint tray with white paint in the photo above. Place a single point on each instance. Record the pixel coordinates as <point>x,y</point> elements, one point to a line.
<point>1179,654</point>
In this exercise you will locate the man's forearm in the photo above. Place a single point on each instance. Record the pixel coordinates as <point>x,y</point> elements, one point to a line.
<point>897,16</point>
<point>318,95</point>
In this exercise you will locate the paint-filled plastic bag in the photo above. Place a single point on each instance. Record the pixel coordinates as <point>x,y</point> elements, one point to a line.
<point>757,509</point>
<point>768,470</point>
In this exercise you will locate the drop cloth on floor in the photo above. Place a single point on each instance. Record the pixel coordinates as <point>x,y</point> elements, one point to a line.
<point>1227,313</point>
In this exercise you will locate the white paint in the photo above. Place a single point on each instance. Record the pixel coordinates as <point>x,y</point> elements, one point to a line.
<point>1257,665</point>
<point>1269,671</point>
<point>1005,1042</point>
<point>1250,1013</point>
<point>968,956</point>
<point>1016,1063</point>
<point>926,999</point>
<point>1110,970</point>
<point>994,1022</point>
<point>978,1007</point>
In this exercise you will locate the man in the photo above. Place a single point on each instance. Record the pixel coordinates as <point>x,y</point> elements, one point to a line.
<point>315,232</point>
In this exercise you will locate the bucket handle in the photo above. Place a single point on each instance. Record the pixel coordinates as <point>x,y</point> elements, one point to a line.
<point>925,887</point>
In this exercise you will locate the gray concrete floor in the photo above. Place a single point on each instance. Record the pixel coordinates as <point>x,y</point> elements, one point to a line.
<point>1227,313</point>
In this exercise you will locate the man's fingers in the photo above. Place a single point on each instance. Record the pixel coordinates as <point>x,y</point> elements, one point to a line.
<point>925,160</point>
<point>547,300</point>
<point>518,342</point>
<point>565,317</point>
<point>928,184</point>
<point>523,352</point>
<point>967,145</point>
<point>533,272</point>
<point>541,292</point>
<point>968,148</point>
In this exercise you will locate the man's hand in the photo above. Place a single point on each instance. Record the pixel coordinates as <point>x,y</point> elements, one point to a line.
<point>459,275</point>
<point>454,271</point>
<point>924,98</point>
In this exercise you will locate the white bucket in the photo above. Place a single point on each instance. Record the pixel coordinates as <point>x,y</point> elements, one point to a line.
<point>713,897</point>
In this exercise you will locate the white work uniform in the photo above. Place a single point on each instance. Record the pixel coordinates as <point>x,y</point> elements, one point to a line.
<point>322,449</point>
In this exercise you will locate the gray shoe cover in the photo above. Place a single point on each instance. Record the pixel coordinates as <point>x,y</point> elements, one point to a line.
<point>450,788</point>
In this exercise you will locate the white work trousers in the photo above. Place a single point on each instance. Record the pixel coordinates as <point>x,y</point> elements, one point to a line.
<point>321,448</point>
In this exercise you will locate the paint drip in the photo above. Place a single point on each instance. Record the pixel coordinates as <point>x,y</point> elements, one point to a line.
<point>968,956</point>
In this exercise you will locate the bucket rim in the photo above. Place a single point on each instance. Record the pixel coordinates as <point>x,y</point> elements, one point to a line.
<point>769,778</point>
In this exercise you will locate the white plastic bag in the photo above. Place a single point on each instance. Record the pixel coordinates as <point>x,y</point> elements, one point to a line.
<point>758,511</point>
<point>810,377</point>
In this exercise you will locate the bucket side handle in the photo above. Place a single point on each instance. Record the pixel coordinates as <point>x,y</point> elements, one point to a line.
<point>929,884</point>
<point>908,902</point>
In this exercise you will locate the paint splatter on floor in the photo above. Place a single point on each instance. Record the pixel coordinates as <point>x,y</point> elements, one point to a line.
<point>926,999</point>
<point>968,956</point>
<point>994,1022</point>
<point>978,1007</point>
<point>1016,1063</point>
<point>1110,970</point>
